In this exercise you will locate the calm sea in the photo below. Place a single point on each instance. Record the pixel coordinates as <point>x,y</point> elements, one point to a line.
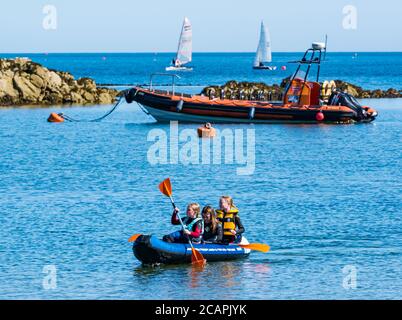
<point>327,199</point>
<point>369,70</point>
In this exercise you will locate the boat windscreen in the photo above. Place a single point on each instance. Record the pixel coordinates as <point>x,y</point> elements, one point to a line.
<point>300,75</point>
<point>354,100</point>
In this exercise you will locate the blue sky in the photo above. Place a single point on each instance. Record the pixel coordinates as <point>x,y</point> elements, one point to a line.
<point>218,25</point>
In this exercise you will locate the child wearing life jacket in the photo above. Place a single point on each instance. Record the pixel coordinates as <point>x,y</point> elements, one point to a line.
<point>213,232</point>
<point>228,215</point>
<point>193,226</point>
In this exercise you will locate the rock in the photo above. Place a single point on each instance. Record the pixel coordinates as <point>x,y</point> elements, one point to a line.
<point>244,91</point>
<point>87,84</point>
<point>105,98</point>
<point>28,92</point>
<point>41,72</point>
<point>88,96</point>
<point>7,90</point>
<point>54,80</point>
<point>37,81</point>
<point>77,98</point>
<point>392,93</point>
<point>352,90</point>
<point>262,91</point>
<point>23,81</point>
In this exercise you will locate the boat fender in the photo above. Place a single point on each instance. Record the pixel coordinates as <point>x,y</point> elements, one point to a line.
<point>320,116</point>
<point>206,131</point>
<point>54,117</point>
<point>179,106</point>
<point>251,113</point>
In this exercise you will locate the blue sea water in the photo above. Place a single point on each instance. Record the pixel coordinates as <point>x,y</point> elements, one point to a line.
<point>369,70</point>
<point>325,198</point>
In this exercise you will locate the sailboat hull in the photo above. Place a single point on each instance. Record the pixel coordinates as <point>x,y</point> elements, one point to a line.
<point>178,69</point>
<point>265,68</point>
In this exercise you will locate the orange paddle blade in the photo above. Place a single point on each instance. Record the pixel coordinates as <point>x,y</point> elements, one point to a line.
<point>197,258</point>
<point>134,238</point>
<point>166,188</point>
<point>256,246</point>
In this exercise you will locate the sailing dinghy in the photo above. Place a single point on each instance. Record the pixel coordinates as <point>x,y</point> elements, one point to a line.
<point>264,53</point>
<point>185,49</point>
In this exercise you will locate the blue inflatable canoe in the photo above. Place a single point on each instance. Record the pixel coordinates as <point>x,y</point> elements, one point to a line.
<point>151,250</point>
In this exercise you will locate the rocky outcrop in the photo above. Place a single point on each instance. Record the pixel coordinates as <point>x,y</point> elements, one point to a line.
<point>262,91</point>
<point>359,92</point>
<point>244,91</point>
<point>23,82</point>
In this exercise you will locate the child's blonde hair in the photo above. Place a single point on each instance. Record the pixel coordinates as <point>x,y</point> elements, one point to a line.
<point>196,207</point>
<point>229,200</point>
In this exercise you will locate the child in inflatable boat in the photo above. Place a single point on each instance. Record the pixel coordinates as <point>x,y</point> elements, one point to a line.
<point>228,215</point>
<point>213,232</point>
<point>194,226</point>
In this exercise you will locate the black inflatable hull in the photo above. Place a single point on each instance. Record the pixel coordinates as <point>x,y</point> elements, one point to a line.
<point>151,250</point>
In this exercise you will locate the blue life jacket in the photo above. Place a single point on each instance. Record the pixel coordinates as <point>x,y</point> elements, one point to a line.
<point>190,225</point>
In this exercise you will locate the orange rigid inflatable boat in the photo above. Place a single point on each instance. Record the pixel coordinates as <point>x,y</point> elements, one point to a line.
<point>302,103</point>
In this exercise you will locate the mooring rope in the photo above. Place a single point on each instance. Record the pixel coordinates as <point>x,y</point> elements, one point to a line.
<point>68,118</point>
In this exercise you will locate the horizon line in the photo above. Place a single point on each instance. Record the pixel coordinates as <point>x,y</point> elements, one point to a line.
<point>168,52</point>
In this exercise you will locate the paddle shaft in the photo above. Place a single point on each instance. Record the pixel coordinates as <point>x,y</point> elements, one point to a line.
<point>181,221</point>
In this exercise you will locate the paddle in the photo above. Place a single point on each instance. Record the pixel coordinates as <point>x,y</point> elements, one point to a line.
<point>196,257</point>
<point>256,246</point>
<point>134,237</point>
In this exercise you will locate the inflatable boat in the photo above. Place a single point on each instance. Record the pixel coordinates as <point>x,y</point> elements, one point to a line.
<point>150,250</point>
<point>302,102</point>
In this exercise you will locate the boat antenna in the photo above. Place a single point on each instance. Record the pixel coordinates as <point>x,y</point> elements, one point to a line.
<point>326,44</point>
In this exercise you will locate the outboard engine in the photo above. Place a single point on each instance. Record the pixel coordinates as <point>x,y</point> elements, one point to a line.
<point>344,99</point>
<point>130,94</point>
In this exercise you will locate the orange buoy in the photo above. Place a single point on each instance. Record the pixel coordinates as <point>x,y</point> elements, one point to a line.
<point>54,117</point>
<point>320,116</point>
<point>206,131</point>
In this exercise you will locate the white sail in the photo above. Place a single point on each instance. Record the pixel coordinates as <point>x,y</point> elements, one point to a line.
<point>185,50</point>
<point>264,53</point>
